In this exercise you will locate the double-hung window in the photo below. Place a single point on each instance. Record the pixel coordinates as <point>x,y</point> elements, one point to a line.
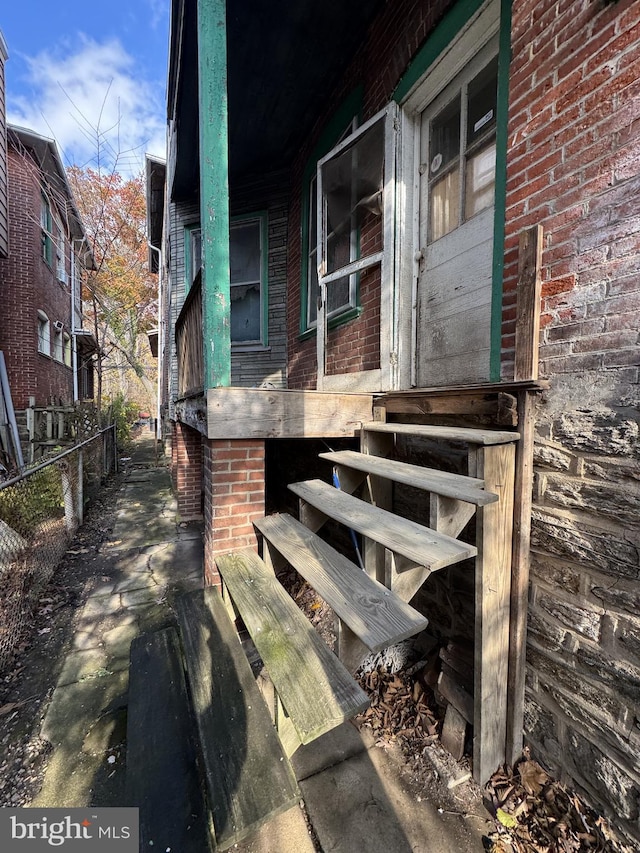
<point>61,272</point>
<point>58,350</point>
<point>248,268</point>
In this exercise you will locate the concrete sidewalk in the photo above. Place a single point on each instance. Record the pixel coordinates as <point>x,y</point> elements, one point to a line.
<point>355,794</point>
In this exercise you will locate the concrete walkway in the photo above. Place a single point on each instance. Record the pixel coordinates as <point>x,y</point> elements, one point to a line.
<point>354,792</point>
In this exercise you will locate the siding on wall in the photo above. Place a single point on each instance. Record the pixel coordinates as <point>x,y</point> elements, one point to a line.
<point>574,167</point>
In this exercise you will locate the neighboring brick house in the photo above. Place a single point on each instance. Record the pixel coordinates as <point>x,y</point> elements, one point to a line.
<point>478,170</point>
<point>4,221</point>
<point>47,352</point>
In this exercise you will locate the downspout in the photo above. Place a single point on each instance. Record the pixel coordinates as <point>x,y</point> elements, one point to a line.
<point>160,342</point>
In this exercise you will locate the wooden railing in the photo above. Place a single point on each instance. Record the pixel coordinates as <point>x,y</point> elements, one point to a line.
<point>189,342</point>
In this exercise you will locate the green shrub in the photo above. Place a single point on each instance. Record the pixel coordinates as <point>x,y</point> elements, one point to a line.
<point>123,413</point>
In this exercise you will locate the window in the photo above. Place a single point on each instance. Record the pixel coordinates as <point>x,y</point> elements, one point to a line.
<point>44,334</point>
<point>462,154</point>
<point>61,271</point>
<point>45,229</point>
<point>247,257</point>
<point>58,351</point>
<point>193,255</point>
<point>66,345</point>
<point>342,297</point>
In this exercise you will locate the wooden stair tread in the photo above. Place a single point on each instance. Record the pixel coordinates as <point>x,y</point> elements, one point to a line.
<point>315,688</point>
<point>469,489</point>
<point>375,614</point>
<point>466,434</point>
<point>162,775</point>
<point>420,544</point>
<point>248,775</point>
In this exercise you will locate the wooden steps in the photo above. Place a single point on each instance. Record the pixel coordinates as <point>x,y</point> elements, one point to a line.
<point>421,545</point>
<point>249,779</point>
<point>375,614</point>
<point>469,489</point>
<point>162,773</point>
<point>484,437</point>
<point>314,687</point>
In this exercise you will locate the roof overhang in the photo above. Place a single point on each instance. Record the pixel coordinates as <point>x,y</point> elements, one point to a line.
<point>283,60</point>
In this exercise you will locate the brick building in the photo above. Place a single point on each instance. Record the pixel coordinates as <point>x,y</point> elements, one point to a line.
<point>47,352</point>
<point>428,213</point>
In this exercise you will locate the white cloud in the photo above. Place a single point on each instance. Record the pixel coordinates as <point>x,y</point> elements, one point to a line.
<point>92,99</point>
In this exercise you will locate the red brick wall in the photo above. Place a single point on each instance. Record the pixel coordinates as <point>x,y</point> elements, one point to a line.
<point>234,497</point>
<point>28,284</point>
<point>186,470</point>
<point>574,149</point>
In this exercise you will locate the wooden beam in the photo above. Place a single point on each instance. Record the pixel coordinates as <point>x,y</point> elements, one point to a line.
<point>493,586</point>
<point>214,191</point>
<point>263,413</point>
<point>528,303</point>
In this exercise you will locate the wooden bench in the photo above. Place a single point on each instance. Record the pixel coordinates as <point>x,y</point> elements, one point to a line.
<point>246,777</point>
<point>314,687</point>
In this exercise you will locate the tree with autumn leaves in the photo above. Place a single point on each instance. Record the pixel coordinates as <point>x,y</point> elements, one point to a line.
<point>122,293</point>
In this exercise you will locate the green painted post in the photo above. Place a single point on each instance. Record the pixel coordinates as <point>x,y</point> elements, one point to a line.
<point>214,192</point>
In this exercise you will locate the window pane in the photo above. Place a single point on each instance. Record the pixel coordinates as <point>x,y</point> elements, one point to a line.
<point>244,248</point>
<point>445,204</point>
<point>245,313</point>
<point>444,145</point>
<point>337,295</point>
<point>196,253</point>
<point>481,170</point>
<point>482,102</point>
<point>352,184</point>
<point>313,289</point>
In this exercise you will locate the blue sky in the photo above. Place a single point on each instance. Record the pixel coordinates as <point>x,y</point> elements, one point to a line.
<point>91,75</point>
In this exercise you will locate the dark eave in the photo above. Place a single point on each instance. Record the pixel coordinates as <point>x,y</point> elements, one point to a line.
<point>283,58</point>
<point>155,176</point>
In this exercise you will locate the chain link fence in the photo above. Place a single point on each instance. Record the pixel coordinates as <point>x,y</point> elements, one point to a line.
<point>40,510</point>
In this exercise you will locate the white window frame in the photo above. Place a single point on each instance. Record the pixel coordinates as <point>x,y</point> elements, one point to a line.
<point>381,378</point>
<point>60,251</point>
<point>58,349</point>
<point>44,334</point>
<point>66,349</point>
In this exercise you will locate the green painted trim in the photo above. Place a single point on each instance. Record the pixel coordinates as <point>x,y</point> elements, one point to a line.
<point>504,59</point>
<point>334,322</point>
<point>348,109</point>
<point>440,38</point>
<point>262,216</point>
<point>214,191</point>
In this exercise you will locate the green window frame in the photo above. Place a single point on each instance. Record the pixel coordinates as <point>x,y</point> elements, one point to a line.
<point>45,229</point>
<point>246,277</point>
<point>192,254</point>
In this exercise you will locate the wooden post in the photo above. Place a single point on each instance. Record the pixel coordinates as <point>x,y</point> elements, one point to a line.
<point>214,192</point>
<point>380,493</point>
<point>493,583</point>
<point>528,304</point>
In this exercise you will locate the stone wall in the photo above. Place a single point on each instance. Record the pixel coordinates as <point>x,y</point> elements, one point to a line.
<point>574,168</point>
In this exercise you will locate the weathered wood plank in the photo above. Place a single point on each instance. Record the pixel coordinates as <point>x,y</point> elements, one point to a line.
<point>377,616</point>
<point>469,489</point>
<point>248,776</point>
<point>162,775</point>
<point>424,546</point>
<point>316,690</point>
<point>528,294</point>
<point>267,413</point>
<point>465,434</point>
<point>494,526</point>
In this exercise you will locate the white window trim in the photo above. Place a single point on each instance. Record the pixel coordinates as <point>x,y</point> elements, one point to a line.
<point>44,340</point>
<point>382,378</point>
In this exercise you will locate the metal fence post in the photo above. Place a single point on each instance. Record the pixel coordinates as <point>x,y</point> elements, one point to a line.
<point>80,491</point>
